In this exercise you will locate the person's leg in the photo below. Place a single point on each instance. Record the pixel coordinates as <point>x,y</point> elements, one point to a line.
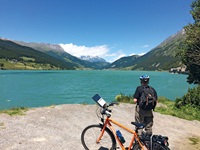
<point>149,123</point>
<point>139,119</point>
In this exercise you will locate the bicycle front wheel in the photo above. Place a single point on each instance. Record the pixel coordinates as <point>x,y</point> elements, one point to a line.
<point>90,135</point>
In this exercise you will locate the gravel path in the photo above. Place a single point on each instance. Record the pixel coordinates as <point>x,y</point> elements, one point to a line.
<point>60,127</point>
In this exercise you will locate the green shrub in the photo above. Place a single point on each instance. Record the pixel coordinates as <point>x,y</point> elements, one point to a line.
<point>191,98</point>
<point>123,98</point>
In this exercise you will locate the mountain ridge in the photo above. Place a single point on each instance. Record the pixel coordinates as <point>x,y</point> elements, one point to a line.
<point>12,51</point>
<point>162,57</point>
<point>55,50</point>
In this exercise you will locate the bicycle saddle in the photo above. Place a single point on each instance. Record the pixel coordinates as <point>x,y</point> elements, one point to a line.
<point>138,125</point>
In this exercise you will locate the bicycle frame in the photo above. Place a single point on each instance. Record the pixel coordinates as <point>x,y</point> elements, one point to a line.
<point>108,122</point>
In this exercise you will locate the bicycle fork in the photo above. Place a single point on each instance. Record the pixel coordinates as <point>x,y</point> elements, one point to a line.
<point>102,132</point>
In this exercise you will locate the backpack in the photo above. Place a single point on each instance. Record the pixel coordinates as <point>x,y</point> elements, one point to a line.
<point>147,99</point>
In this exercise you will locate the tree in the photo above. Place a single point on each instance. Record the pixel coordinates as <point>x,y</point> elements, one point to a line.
<point>1,65</point>
<point>191,57</point>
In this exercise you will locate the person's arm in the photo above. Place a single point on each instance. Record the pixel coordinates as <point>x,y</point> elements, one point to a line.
<point>136,95</point>
<point>156,96</point>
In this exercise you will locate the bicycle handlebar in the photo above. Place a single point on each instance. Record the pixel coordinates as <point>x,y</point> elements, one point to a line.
<point>103,105</point>
<point>106,111</point>
<point>113,103</point>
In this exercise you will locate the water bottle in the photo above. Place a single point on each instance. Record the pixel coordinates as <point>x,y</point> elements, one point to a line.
<point>119,135</point>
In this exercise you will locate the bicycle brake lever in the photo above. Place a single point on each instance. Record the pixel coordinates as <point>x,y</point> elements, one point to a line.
<point>109,110</point>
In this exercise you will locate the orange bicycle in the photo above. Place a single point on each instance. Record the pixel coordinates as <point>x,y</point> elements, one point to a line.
<point>103,136</point>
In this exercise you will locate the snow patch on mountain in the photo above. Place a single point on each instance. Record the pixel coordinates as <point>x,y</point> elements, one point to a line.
<point>92,58</point>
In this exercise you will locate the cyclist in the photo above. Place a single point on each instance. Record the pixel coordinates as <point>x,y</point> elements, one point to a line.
<point>144,116</point>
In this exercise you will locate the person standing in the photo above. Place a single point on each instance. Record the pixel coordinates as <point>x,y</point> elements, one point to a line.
<point>145,98</point>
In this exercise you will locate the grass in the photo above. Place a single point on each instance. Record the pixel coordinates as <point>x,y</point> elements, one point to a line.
<point>167,107</point>
<point>15,111</point>
<point>28,59</point>
<point>26,65</point>
<point>124,99</point>
<point>185,112</point>
<point>2,125</point>
<point>194,140</point>
<point>52,106</point>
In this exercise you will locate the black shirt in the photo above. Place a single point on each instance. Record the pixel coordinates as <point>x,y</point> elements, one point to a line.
<point>139,91</point>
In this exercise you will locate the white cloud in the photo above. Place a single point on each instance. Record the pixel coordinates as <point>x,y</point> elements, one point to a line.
<point>132,54</point>
<point>102,51</point>
<point>114,56</point>
<point>145,46</point>
<point>117,57</point>
<point>137,54</point>
<point>141,54</point>
<point>78,51</point>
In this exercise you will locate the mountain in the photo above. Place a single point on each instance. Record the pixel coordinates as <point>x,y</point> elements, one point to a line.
<point>162,57</point>
<point>23,57</point>
<point>123,62</point>
<point>97,62</point>
<point>43,47</point>
<point>92,59</point>
<point>55,50</point>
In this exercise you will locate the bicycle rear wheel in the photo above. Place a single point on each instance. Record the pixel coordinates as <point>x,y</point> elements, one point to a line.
<point>91,133</point>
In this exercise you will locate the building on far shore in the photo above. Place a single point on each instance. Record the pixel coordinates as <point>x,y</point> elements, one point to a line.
<point>179,70</point>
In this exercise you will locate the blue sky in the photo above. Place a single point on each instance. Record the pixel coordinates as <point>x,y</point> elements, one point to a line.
<point>106,28</point>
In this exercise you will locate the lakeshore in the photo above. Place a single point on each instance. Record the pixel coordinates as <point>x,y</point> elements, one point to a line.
<point>59,127</point>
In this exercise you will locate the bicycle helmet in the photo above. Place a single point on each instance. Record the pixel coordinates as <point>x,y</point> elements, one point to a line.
<point>144,78</point>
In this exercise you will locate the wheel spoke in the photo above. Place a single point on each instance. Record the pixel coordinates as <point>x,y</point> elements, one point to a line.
<point>90,136</point>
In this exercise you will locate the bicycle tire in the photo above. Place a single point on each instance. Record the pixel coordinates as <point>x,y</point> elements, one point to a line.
<point>90,135</point>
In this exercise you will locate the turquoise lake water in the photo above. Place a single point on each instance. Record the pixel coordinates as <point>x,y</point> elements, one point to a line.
<point>45,88</point>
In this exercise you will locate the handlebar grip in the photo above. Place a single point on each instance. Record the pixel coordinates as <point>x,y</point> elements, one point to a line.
<point>106,112</point>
